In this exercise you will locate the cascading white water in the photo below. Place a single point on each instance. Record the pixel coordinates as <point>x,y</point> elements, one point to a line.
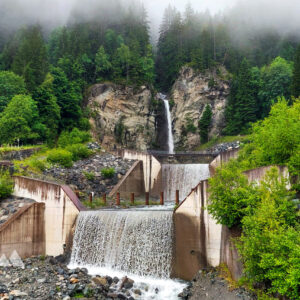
<point>138,242</point>
<point>169,123</point>
<point>182,177</point>
<point>128,242</point>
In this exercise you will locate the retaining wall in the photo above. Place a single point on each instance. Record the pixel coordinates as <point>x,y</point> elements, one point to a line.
<point>24,232</point>
<point>61,209</point>
<point>132,182</point>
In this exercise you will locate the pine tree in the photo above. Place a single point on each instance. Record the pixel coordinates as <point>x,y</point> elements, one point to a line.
<point>31,60</point>
<point>296,75</point>
<point>103,64</point>
<point>205,123</point>
<point>242,105</point>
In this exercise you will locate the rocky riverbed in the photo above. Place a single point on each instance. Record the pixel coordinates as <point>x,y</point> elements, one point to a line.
<point>47,278</point>
<point>209,285</point>
<point>85,175</point>
<point>10,206</point>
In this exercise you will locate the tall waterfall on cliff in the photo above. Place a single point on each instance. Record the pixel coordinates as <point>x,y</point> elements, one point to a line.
<point>182,177</point>
<point>137,242</point>
<point>169,124</point>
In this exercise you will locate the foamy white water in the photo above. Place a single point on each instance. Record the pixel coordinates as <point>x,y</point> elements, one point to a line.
<point>182,177</point>
<point>170,133</point>
<point>135,243</point>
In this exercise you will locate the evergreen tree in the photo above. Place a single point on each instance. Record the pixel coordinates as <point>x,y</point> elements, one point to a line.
<point>296,75</point>
<point>31,59</point>
<point>205,123</point>
<point>103,64</point>
<point>242,104</point>
<point>49,111</point>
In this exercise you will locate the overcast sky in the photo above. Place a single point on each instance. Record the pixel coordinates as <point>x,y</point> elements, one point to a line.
<point>280,14</point>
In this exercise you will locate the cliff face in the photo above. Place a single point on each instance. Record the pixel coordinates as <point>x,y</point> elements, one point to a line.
<point>190,94</point>
<point>121,116</point>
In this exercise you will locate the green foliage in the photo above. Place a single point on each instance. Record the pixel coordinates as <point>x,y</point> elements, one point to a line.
<point>31,60</point>
<point>120,131</point>
<point>270,243</point>
<point>296,75</point>
<point>10,86</point>
<point>78,151</point>
<point>242,104</point>
<point>89,175</point>
<point>275,82</point>
<point>189,125</point>
<point>75,136</point>
<point>230,194</point>
<point>20,121</point>
<point>103,64</point>
<point>205,123</point>
<point>61,157</point>
<point>108,173</point>
<point>6,185</point>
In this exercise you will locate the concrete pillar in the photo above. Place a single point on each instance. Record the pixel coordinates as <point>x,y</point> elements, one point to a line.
<point>118,202</point>
<point>132,198</point>
<point>177,197</point>
<point>162,198</point>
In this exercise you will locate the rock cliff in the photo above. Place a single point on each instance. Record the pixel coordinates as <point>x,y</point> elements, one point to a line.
<point>190,94</point>
<point>122,116</point>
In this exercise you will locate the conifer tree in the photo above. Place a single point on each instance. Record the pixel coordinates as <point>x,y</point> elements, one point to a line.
<point>296,75</point>
<point>205,123</point>
<point>31,60</point>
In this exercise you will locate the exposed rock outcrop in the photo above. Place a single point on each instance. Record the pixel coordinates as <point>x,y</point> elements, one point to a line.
<point>122,116</point>
<point>190,94</point>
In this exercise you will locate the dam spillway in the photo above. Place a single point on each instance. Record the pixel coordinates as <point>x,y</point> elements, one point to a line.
<point>182,177</point>
<point>138,242</point>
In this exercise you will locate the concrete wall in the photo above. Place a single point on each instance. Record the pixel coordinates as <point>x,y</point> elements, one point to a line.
<point>222,158</point>
<point>197,236</point>
<point>61,209</point>
<point>24,232</point>
<point>151,168</point>
<point>132,182</point>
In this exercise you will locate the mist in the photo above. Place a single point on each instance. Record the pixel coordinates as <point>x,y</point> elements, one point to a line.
<point>256,14</point>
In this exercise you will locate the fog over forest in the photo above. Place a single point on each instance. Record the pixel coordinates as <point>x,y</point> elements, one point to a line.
<point>256,14</point>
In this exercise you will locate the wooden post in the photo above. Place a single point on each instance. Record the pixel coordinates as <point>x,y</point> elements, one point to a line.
<point>177,197</point>
<point>118,199</point>
<point>147,198</point>
<point>91,198</point>
<point>132,198</point>
<point>104,199</point>
<point>77,193</point>
<point>162,198</point>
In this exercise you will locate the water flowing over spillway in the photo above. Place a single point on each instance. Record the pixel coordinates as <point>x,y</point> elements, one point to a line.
<point>136,243</point>
<point>182,177</point>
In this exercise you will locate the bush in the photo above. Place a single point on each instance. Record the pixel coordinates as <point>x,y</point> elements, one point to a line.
<point>76,136</point>
<point>79,151</point>
<point>61,157</point>
<point>38,165</point>
<point>231,195</point>
<point>6,185</point>
<point>270,243</point>
<point>89,175</point>
<point>108,173</point>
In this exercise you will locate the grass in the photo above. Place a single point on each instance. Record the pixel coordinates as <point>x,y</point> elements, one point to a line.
<point>5,149</point>
<point>223,139</point>
<point>96,204</point>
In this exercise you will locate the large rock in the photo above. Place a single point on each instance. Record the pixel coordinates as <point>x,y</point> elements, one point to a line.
<point>122,116</point>
<point>191,93</point>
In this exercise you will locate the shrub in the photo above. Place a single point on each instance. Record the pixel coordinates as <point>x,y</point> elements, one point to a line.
<point>89,175</point>
<point>76,136</point>
<point>231,195</point>
<point>6,185</point>
<point>61,157</point>
<point>38,164</point>
<point>79,151</point>
<point>108,173</point>
<point>270,243</point>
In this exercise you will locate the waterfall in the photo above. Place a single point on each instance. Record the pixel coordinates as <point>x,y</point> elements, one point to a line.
<point>137,242</point>
<point>182,177</point>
